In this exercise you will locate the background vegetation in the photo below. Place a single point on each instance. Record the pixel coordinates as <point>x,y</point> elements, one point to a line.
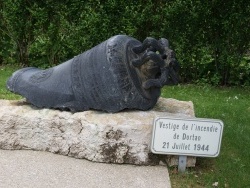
<point>211,38</point>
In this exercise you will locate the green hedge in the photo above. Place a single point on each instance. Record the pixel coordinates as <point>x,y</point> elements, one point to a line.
<point>210,38</point>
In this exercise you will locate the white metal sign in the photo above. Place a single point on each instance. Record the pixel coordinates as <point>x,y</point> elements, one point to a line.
<point>191,137</point>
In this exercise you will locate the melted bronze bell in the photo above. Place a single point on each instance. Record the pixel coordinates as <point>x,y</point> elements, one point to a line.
<point>120,73</point>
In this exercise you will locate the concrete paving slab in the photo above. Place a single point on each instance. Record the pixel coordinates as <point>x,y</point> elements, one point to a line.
<point>35,169</point>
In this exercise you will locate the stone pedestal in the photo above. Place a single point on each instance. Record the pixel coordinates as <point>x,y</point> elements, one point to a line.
<point>122,137</point>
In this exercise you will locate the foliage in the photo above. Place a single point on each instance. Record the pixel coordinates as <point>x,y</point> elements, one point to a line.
<point>17,29</point>
<point>210,37</point>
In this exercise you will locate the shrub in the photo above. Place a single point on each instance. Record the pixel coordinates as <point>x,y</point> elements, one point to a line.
<point>210,38</point>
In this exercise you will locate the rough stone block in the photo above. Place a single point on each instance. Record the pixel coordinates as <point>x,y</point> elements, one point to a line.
<point>122,137</point>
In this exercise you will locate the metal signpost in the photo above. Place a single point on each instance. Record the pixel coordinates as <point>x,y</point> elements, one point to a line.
<point>186,137</point>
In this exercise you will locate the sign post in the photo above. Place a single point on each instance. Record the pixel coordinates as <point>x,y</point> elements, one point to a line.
<point>186,137</point>
<point>182,163</point>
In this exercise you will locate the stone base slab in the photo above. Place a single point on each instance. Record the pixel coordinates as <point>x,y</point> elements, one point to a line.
<point>122,137</point>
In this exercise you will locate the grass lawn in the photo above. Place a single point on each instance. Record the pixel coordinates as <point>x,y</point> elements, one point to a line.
<point>5,73</point>
<point>232,105</point>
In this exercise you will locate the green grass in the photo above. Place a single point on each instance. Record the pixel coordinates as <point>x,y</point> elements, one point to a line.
<point>232,105</point>
<point>5,73</point>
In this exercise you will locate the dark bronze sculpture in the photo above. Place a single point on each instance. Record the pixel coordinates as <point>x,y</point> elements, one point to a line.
<point>120,73</point>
